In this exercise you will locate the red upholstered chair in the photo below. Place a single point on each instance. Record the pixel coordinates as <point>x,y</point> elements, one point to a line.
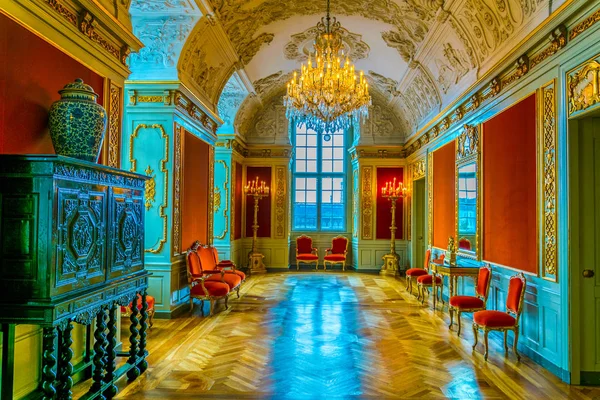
<point>126,311</point>
<point>305,252</point>
<point>424,282</point>
<point>337,253</point>
<point>464,244</point>
<point>201,287</point>
<point>461,304</point>
<point>226,264</point>
<point>207,262</point>
<point>489,320</point>
<point>416,272</point>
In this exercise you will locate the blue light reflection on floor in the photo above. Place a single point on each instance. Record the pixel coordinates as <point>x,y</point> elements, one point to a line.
<point>315,354</point>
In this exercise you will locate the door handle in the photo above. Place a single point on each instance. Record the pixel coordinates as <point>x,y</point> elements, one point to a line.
<point>588,273</point>
<point>420,237</point>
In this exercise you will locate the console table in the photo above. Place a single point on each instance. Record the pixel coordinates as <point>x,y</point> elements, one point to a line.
<point>452,272</point>
<point>71,251</point>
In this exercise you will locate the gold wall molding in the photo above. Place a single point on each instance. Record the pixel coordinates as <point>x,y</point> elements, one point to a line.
<point>163,168</point>
<point>418,169</point>
<point>211,193</point>
<point>548,168</point>
<point>232,198</point>
<point>89,26</point>
<point>150,193</point>
<point>280,202</point>
<point>430,198</point>
<point>113,140</point>
<point>177,182</point>
<point>584,25</point>
<point>218,201</point>
<point>150,99</point>
<point>268,153</point>
<point>467,143</point>
<point>356,154</point>
<point>367,203</point>
<point>558,41</point>
<point>186,105</point>
<point>583,86</point>
<point>355,199</point>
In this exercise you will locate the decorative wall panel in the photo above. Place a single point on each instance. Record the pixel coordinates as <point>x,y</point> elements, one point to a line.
<point>177,188</point>
<point>583,86</point>
<point>221,200</point>
<point>280,202</point>
<point>113,131</point>
<point>367,203</point>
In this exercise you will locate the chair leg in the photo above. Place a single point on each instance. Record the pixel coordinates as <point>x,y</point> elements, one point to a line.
<point>459,324</point>
<point>407,282</point>
<point>191,303</point>
<point>475,334</point>
<point>151,318</point>
<point>324,266</point>
<point>485,341</point>
<point>506,341</point>
<point>226,302</point>
<point>212,307</point>
<point>451,312</point>
<point>238,292</point>
<point>442,292</point>
<point>344,266</point>
<point>516,331</point>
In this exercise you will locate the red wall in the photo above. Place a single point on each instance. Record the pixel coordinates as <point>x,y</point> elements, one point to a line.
<point>31,74</point>
<point>509,187</point>
<point>384,206</point>
<point>264,205</point>
<point>194,206</point>
<point>239,195</point>
<point>444,188</point>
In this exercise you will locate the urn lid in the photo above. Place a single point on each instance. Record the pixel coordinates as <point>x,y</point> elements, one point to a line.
<point>79,91</point>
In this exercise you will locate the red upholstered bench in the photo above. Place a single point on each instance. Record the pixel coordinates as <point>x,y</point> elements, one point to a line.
<point>126,311</point>
<point>201,286</point>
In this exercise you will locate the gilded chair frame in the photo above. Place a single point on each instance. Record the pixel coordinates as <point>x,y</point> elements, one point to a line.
<point>468,151</point>
<point>331,249</point>
<point>505,329</point>
<point>409,278</point>
<point>314,251</point>
<point>195,280</point>
<point>484,297</point>
<point>422,287</point>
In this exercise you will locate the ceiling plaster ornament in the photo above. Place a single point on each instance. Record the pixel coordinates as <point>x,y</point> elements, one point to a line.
<point>266,86</point>
<point>454,66</point>
<point>420,98</point>
<point>301,45</point>
<point>249,50</point>
<point>230,101</point>
<point>388,85</point>
<point>163,39</point>
<point>206,76</point>
<point>271,123</point>
<point>242,19</point>
<point>405,47</point>
<point>160,6</point>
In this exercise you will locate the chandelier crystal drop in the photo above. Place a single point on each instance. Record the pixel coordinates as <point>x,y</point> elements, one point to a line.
<point>328,95</point>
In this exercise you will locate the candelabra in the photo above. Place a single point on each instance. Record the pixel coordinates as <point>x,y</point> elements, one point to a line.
<point>256,191</point>
<point>392,192</point>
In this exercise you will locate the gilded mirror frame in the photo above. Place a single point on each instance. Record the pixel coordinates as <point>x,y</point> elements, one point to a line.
<point>468,151</point>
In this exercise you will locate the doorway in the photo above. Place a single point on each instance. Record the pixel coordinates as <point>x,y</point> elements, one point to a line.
<point>419,222</point>
<point>584,252</point>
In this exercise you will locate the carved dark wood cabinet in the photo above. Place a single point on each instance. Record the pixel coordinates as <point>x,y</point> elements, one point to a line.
<point>71,251</point>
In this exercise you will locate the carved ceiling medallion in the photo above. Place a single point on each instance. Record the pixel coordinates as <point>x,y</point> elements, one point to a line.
<point>302,44</point>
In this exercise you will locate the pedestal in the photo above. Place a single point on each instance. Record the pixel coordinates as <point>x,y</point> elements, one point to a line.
<point>390,265</point>
<point>255,263</point>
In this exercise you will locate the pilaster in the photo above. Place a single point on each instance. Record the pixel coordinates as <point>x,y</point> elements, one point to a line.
<point>157,115</point>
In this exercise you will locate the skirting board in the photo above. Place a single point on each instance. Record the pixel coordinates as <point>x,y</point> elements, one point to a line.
<point>174,313</point>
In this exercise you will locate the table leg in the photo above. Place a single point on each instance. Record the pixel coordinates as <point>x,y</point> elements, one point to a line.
<point>434,289</point>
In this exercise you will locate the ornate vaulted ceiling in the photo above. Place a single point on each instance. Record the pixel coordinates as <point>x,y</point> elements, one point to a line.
<point>418,54</point>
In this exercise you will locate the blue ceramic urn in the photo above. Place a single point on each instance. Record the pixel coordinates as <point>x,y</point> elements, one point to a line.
<point>77,123</point>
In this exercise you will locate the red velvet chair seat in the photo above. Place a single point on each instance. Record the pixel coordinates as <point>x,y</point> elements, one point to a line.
<point>149,299</point>
<point>216,289</point>
<point>225,263</point>
<point>416,272</point>
<point>493,319</point>
<point>307,257</point>
<point>466,302</point>
<point>240,274</point>
<point>335,257</point>
<point>232,280</point>
<point>428,280</point>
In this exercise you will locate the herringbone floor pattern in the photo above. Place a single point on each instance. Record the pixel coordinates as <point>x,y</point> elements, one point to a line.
<point>331,335</point>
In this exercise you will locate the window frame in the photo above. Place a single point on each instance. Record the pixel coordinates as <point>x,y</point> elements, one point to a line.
<point>319,175</point>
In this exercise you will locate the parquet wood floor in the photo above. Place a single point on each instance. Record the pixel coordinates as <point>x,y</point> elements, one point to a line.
<point>331,335</point>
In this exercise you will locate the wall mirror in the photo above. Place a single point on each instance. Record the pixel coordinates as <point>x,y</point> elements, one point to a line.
<point>468,193</point>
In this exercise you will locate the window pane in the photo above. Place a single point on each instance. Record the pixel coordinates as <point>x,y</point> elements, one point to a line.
<point>327,166</point>
<point>338,166</point>
<point>327,154</point>
<point>300,183</point>
<point>311,140</point>
<point>311,183</point>
<point>301,153</point>
<point>311,153</point>
<point>300,166</point>
<point>311,166</point>
<point>338,153</point>
<point>327,184</point>
<point>300,140</point>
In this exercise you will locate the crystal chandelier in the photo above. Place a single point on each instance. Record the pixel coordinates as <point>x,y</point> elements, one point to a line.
<point>327,96</point>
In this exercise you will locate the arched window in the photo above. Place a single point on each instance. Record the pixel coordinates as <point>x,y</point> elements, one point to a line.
<point>319,179</point>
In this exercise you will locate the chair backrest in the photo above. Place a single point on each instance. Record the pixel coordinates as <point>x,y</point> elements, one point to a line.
<point>427,259</point>
<point>339,245</point>
<point>464,244</point>
<point>304,244</point>
<point>516,292</point>
<point>215,253</point>
<point>207,259</point>
<point>484,278</point>
<point>194,267</point>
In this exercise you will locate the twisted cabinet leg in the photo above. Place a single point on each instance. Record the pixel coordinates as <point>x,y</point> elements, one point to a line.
<point>111,353</point>
<point>65,368</point>
<point>48,362</point>
<point>134,372</point>
<point>99,352</point>
<point>143,364</point>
